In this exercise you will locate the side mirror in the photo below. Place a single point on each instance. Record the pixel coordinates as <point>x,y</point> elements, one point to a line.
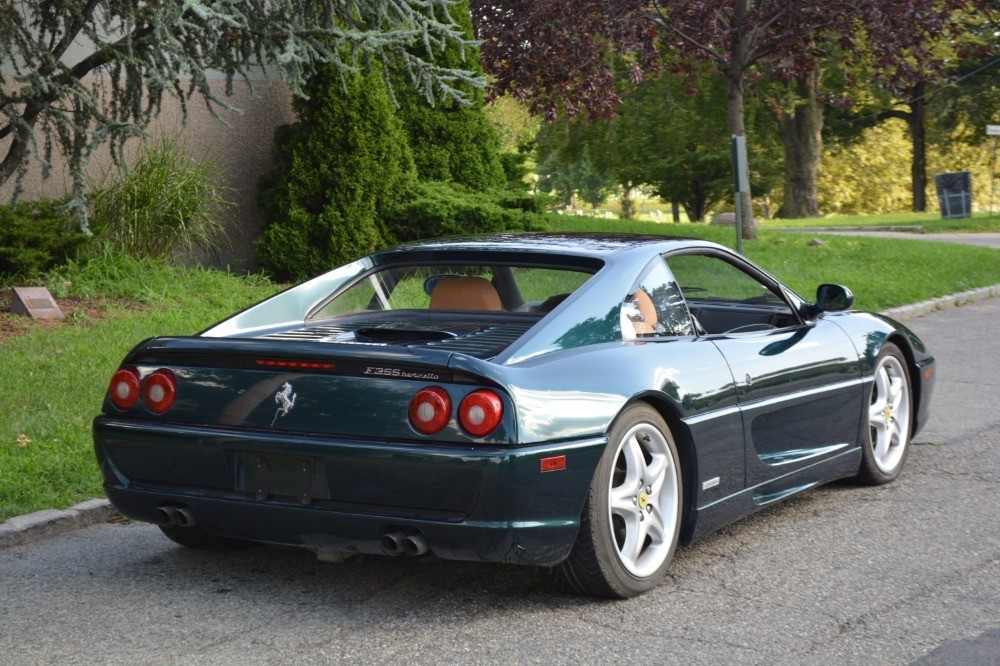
<point>833,298</point>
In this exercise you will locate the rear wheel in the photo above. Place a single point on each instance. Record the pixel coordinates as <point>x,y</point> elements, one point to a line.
<point>631,520</point>
<point>197,538</point>
<point>887,418</point>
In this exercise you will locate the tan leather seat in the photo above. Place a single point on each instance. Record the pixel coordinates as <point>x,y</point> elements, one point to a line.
<point>648,310</point>
<point>458,292</point>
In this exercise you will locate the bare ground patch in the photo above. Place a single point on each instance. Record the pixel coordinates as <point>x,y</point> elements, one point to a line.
<point>78,311</point>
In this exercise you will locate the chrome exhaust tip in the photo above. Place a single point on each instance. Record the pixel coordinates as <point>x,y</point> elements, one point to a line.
<point>184,518</point>
<point>392,543</point>
<point>415,545</point>
<point>165,515</point>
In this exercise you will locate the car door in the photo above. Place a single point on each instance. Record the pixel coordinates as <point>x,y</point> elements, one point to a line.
<point>798,383</point>
<point>693,374</point>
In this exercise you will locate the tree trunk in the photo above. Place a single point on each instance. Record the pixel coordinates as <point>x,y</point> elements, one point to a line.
<point>696,205</point>
<point>16,153</point>
<point>675,211</point>
<point>916,119</point>
<point>627,202</point>
<point>801,133</point>
<point>693,212</point>
<point>734,109</point>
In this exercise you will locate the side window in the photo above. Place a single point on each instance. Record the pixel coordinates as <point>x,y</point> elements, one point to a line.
<point>708,278</point>
<point>654,306</point>
<point>722,299</point>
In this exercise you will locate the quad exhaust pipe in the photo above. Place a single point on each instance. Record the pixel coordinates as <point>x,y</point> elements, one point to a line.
<point>393,543</point>
<point>174,515</point>
<point>397,543</point>
<point>415,545</point>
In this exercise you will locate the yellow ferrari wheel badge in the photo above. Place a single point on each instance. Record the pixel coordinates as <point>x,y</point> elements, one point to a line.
<point>643,500</point>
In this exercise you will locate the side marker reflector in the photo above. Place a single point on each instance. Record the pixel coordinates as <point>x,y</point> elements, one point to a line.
<point>553,464</point>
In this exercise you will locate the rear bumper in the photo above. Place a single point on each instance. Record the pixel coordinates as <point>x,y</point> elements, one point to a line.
<point>470,503</point>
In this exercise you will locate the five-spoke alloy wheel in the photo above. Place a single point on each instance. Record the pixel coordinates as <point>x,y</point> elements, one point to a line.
<point>643,496</point>
<point>631,521</point>
<point>888,419</point>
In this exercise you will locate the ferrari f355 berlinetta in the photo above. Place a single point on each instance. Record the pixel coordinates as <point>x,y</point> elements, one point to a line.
<point>577,402</point>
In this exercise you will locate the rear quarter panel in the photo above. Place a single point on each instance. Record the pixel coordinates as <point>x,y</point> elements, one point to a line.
<point>579,393</point>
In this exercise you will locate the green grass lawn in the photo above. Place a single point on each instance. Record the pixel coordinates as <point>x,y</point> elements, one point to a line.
<point>52,381</point>
<point>882,273</point>
<point>930,222</point>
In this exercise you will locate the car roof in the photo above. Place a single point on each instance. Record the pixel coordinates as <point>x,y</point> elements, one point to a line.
<point>582,244</point>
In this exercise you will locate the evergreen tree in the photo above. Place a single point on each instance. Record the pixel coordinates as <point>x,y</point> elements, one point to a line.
<point>140,51</point>
<point>338,170</point>
<point>452,141</point>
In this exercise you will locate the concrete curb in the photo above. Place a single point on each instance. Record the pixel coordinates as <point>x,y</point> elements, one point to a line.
<point>914,310</point>
<point>51,522</point>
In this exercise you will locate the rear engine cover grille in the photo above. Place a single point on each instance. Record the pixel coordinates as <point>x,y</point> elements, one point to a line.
<point>486,342</point>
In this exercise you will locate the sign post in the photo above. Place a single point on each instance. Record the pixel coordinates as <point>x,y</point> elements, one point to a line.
<point>741,183</point>
<point>994,131</point>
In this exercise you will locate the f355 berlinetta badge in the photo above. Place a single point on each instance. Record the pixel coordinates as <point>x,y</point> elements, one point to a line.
<point>286,399</point>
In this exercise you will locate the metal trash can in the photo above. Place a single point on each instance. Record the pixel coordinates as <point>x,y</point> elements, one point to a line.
<point>954,190</point>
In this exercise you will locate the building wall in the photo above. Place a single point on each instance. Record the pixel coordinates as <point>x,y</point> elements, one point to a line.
<point>242,151</point>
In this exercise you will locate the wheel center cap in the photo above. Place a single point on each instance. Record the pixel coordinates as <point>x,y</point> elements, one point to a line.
<point>887,413</point>
<point>643,500</point>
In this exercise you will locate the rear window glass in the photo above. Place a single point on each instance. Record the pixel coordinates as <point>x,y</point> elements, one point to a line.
<point>489,288</point>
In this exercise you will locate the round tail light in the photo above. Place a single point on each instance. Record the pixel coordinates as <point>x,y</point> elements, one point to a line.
<point>430,410</point>
<point>159,390</point>
<point>124,388</point>
<point>480,412</point>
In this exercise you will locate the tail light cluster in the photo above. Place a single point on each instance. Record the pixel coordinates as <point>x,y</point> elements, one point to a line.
<point>158,390</point>
<point>479,413</point>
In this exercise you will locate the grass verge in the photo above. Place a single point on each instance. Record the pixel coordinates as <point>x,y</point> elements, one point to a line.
<point>52,380</point>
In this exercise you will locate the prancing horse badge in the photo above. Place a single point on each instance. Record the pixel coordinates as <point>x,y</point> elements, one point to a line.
<point>286,399</point>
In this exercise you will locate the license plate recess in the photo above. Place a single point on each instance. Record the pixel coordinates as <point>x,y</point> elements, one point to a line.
<point>268,475</point>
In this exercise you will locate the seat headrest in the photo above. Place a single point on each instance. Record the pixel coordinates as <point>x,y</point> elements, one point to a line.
<point>459,292</point>
<point>648,310</point>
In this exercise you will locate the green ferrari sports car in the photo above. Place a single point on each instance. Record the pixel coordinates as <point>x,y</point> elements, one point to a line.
<point>578,402</point>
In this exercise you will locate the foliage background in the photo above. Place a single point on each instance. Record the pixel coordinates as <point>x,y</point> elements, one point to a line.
<point>872,175</point>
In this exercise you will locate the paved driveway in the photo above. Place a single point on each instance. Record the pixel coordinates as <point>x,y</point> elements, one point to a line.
<point>985,239</point>
<point>841,574</point>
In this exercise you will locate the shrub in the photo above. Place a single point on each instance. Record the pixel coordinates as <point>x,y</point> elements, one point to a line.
<point>452,141</point>
<point>160,200</point>
<point>337,170</point>
<point>515,169</point>
<point>446,209</point>
<point>529,203</point>
<point>34,237</point>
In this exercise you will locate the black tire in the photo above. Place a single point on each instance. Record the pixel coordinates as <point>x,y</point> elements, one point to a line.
<point>881,469</point>
<point>197,538</point>
<point>596,565</point>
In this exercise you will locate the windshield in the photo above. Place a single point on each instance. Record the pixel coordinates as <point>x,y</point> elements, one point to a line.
<point>496,288</point>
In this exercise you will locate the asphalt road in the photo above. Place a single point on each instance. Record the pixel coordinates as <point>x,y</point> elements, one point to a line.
<point>981,239</point>
<point>841,574</point>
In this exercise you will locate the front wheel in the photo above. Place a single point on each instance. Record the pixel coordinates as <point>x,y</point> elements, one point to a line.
<point>632,516</point>
<point>887,419</point>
